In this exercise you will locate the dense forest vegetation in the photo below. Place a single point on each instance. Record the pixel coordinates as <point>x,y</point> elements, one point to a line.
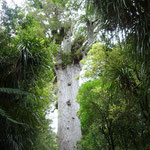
<point>26,83</point>
<point>115,102</point>
<point>113,37</point>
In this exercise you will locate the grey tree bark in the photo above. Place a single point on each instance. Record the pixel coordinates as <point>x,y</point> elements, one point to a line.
<point>69,131</point>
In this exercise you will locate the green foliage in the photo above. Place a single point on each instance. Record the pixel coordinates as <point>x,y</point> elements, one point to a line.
<point>77,43</point>
<point>13,91</point>
<point>3,114</point>
<point>129,18</point>
<point>110,110</point>
<point>26,84</point>
<point>66,59</point>
<point>52,16</point>
<point>78,48</point>
<point>9,18</point>
<point>75,55</point>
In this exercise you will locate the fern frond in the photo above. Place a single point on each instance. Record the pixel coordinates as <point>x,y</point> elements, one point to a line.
<point>13,91</point>
<point>4,114</point>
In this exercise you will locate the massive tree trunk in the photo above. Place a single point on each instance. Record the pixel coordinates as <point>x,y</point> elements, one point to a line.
<point>69,131</point>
